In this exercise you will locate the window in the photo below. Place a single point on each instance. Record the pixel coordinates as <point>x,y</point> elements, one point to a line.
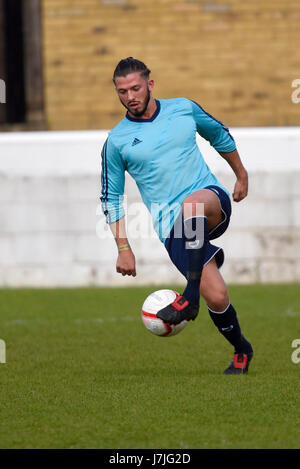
<point>21,63</point>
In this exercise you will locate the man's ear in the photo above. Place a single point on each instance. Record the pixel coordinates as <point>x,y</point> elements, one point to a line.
<point>150,85</point>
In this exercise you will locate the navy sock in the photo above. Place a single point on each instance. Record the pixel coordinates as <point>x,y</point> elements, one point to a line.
<point>228,324</point>
<point>196,238</point>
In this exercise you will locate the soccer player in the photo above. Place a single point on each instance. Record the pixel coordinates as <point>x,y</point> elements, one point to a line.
<point>156,143</point>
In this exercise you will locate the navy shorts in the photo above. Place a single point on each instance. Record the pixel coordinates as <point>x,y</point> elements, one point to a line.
<point>176,245</point>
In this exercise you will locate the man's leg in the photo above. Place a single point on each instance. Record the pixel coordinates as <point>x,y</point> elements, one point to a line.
<point>201,212</point>
<point>223,314</point>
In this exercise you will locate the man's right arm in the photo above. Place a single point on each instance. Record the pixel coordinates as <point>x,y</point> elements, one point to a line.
<point>126,260</point>
<point>113,180</point>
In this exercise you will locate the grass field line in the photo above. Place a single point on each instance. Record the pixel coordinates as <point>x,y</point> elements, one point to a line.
<point>99,320</point>
<point>13,322</point>
<point>290,312</point>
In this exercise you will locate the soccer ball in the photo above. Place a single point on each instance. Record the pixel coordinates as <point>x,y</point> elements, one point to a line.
<point>154,303</point>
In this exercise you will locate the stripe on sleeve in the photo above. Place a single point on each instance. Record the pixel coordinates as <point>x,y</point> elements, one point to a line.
<point>104,172</point>
<point>216,120</point>
<point>104,178</point>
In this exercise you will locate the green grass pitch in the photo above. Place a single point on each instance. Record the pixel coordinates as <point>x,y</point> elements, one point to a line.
<point>82,371</point>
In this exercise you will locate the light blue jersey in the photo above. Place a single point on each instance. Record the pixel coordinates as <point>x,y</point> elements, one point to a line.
<point>162,156</point>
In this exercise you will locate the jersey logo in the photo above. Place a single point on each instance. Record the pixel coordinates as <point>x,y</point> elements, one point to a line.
<point>136,141</point>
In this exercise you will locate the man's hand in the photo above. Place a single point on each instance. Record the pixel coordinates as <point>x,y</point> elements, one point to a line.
<point>126,263</point>
<point>241,188</point>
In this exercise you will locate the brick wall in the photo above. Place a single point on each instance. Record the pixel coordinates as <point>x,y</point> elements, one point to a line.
<point>237,58</point>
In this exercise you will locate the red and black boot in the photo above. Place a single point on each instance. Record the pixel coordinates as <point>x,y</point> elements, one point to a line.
<point>181,309</point>
<point>239,364</point>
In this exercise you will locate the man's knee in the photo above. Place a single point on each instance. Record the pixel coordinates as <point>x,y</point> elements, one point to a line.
<point>203,203</point>
<point>218,299</point>
<point>192,207</point>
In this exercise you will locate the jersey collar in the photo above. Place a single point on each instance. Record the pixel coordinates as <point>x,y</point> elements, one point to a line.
<point>146,120</point>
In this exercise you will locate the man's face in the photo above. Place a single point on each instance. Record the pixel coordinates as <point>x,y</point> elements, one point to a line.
<point>134,92</point>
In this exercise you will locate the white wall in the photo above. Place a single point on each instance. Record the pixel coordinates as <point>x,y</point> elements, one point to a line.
<point>52,231</point>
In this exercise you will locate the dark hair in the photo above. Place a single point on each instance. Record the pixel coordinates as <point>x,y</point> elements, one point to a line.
<point>130,65</point>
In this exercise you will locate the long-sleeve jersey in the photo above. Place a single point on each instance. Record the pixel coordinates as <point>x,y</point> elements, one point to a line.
<point>162,156</point>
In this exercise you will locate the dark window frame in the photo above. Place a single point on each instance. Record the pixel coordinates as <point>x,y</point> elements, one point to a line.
<point>32,62</point>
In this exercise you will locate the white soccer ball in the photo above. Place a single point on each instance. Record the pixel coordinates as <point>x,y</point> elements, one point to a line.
<point>154,303</point>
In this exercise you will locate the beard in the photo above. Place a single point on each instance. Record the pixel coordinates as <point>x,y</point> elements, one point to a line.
<point>142,112</point>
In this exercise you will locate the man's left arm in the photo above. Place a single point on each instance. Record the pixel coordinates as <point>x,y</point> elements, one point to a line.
<point>241,186</point>
<point>220,138</point>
